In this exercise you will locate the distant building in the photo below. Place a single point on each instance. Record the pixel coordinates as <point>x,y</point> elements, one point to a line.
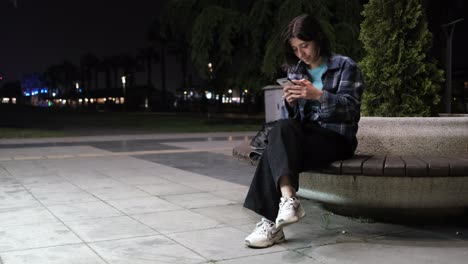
<point>33,86</point>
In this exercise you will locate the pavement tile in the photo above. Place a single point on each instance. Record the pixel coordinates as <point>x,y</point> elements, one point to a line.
<point>3,172</point>
<point>64,197</point>
<point>217,166</point>
<point>131,145</point>
<point>109,228</point>
<point>93,182</point>
<point>117,192</point>
<point>237,194</point>
<point>132,172</point>
<point>219,243</point>
<point>273,258</point>
<point>183,177</point>
<point>145,250</point>
<point>76,254</point>
<point>38,180</point>
<point>177,221</point>
<point>25,168</point>
<point>10,185</point>
<point>407,248</point>
<point>196,200</point>
<point>17,199</point>
<point>52,187</point>
<point>167,189</point>
<point>302,235</point>
<point>213,185</point>
<point>82,211</point>
<point>141,205</point>
<point>205,144</point>
<point>232,215</point>
<point>25,216</point>
<point>131,179</point>
<point>35,236</point>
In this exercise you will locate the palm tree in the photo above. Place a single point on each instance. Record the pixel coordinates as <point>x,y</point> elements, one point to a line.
<point>62,77</point>
<point>89,64</point>
<point>115,66</point>
<point>128,63</point>
<point>154,35</point>
<point>52,78</point>
<point>68,75</point>
<point>148,56</point>
<point>105,66</point>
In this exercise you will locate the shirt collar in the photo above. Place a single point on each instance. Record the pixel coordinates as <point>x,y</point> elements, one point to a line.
<point>333,64</point>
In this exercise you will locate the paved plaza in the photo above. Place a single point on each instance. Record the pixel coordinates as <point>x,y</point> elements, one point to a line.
<point>175,198</point>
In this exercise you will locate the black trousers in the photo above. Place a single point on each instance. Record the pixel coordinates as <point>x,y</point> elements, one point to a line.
<point>293,147</point>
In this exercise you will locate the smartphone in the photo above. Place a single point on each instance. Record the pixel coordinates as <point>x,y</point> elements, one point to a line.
<point>285,82</point>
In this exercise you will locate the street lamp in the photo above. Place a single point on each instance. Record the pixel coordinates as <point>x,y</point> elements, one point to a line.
<point>210,76</point>
<point>448,30</point>
<point>210,69</point>
<point>124,81</point>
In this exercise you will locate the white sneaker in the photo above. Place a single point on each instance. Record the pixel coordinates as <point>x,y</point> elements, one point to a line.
<point>290,211</point>
<point>264,235</point>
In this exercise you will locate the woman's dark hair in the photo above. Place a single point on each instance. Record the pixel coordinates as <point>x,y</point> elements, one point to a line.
<point>307,28</point>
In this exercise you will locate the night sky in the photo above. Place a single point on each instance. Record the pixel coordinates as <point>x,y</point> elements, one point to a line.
<point>39,33</point>
<point>43,32</point>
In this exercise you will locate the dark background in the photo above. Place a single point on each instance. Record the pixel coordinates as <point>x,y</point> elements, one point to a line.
<point>39,33</point>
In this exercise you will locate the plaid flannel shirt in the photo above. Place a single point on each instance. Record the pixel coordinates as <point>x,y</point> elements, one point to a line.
<point>340,107</point>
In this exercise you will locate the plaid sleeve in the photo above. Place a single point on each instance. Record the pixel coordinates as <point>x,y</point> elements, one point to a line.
<point>345,104</point>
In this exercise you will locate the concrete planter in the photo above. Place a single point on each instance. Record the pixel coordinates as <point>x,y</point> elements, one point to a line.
<point>421,137</point>
<point>433,136</point>
<point>397,136</point>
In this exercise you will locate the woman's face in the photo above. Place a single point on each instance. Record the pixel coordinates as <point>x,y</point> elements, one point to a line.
<point>307,51</point>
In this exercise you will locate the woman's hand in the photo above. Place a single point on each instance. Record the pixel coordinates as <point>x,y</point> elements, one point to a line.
<point>303,89</point>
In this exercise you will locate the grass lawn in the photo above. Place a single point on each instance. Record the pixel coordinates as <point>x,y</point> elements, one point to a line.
<point>24,122</point>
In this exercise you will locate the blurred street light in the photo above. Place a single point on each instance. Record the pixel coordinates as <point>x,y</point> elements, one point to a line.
<point>124,81</point>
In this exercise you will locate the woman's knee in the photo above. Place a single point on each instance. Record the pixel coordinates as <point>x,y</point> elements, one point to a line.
<point>284,126</point>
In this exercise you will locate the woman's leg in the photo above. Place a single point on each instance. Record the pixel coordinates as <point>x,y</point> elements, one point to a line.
<point>280,158</point>
<point>286,188</point>
<point>292,148</point>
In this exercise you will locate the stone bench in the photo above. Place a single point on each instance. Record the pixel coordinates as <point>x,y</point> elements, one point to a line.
<point>401,163</point>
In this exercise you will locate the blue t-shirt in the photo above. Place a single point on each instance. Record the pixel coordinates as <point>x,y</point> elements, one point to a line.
<point>317,73</point>
<point>316,80</point>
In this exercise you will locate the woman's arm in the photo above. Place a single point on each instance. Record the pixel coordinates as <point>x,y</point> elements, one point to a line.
<point>344,105</point>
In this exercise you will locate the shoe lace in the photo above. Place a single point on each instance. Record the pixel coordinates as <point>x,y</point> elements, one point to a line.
<point>286,204</point>
<point>263,227</point>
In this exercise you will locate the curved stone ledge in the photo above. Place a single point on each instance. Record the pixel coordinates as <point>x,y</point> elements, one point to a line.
<point>413,135</point>
<point>385,192</point>
<point>418,136</point>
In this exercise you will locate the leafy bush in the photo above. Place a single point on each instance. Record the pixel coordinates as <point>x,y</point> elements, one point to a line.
<point>400,78</point>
